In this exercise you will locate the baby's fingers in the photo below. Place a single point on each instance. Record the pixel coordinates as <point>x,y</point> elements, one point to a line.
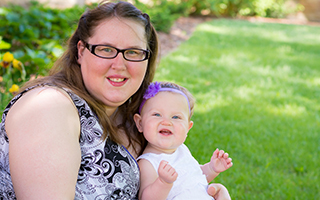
<point>229,162</point>
<point>225,155</point>
<point>222,154</point>
<point>166,172</point>
<point>163,164</point>
<point>215,153</point>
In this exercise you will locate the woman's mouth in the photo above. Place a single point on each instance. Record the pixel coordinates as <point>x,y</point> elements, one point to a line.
<point>116,80</point>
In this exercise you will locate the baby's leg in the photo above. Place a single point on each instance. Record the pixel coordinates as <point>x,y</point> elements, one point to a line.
<point>218,192</point>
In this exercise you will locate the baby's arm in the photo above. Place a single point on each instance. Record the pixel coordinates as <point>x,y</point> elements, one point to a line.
<point>219,162</point>
<point>153,186</point>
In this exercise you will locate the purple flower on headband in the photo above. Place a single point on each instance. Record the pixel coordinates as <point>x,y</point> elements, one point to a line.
<point>152,90</point>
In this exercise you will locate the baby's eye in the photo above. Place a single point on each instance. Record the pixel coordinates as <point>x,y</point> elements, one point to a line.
<point>176,117</point>
<point>156,114</point>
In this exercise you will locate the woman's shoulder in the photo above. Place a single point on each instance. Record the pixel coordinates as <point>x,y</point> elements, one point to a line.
<point>43,108</point>
<point>45,97</point>
<point>42,102</point>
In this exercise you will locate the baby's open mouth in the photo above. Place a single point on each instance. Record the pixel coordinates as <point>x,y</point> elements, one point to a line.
<point>165,132</point>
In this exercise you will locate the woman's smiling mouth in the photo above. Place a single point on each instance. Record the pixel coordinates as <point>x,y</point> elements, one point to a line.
<point>117,80</point>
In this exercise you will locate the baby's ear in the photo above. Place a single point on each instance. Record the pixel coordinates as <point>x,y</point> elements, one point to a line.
<point>138,121</point>
<point>190,124</point>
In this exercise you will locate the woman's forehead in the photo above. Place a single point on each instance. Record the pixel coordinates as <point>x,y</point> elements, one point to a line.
<point>114,30</point>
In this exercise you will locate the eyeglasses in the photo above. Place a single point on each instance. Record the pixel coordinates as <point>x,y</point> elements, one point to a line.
<point>109,52</point>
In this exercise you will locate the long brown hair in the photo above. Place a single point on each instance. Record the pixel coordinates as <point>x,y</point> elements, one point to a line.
<point>66,70</point>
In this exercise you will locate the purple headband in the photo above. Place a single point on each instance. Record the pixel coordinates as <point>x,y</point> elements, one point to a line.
<point>154,88</point>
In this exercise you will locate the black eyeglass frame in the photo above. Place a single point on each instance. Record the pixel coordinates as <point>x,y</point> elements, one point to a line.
<point>91,48</point>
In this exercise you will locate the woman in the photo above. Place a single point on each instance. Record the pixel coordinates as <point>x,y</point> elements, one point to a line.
<point>71,135</point>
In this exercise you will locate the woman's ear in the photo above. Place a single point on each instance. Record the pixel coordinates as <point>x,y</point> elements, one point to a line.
<point>81,48</point>
<point>138,121</point>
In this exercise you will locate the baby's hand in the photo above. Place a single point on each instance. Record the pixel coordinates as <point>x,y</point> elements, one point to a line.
<point>220,161</point>
<point>167,173</point>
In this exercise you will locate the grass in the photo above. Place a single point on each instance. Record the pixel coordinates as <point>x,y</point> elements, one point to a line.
<point>257,87</point>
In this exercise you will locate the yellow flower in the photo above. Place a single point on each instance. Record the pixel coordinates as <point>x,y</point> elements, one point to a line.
<point>14,88</point>
<point>17,64</point>
<point>4,64</point>
<point>8,57</point>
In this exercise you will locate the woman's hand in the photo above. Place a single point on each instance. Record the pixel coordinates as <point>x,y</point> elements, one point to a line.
<point>218,192</point>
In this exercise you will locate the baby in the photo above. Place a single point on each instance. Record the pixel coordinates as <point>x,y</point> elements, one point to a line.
<point>168,170</point>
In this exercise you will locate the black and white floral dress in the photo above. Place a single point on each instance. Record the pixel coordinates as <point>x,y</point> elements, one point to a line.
<point>107,171</point>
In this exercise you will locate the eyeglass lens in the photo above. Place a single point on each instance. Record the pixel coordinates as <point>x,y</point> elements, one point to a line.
<point>111,52</point>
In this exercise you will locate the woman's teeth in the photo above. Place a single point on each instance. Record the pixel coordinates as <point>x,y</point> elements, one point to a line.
<point>117,80</point>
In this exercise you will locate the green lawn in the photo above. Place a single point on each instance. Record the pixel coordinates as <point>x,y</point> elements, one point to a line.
<point>257,87</point>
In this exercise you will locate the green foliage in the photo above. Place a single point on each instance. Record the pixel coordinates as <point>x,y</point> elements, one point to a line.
<point>4,45</point>
<point>263,8</point>
<point>272,8</point>
<point>11,71</point>
<point>37,33</point>
<point>257,91</point>
<point>36,36</point>
<point>163,13</point>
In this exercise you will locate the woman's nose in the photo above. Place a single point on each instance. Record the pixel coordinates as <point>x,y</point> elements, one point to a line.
<point>118,62</point>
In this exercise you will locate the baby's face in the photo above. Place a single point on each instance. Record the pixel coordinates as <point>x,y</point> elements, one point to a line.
<point>164,121</point>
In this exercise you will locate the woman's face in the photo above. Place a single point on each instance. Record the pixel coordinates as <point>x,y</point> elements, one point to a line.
<point>113,81</point>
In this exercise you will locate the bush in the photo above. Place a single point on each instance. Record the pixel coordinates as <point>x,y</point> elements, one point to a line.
<point>233,8</point>
<point>163,13</point>
<point>34,37</point>
<point>36,34</point>
<point>11,71</point>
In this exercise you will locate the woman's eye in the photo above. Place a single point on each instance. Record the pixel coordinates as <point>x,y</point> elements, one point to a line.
<point>132,52</point>
<point>108,50</point>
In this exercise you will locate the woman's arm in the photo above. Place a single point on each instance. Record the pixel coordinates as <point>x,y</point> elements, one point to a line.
<point>153,186</point>
<point>43,129</point>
